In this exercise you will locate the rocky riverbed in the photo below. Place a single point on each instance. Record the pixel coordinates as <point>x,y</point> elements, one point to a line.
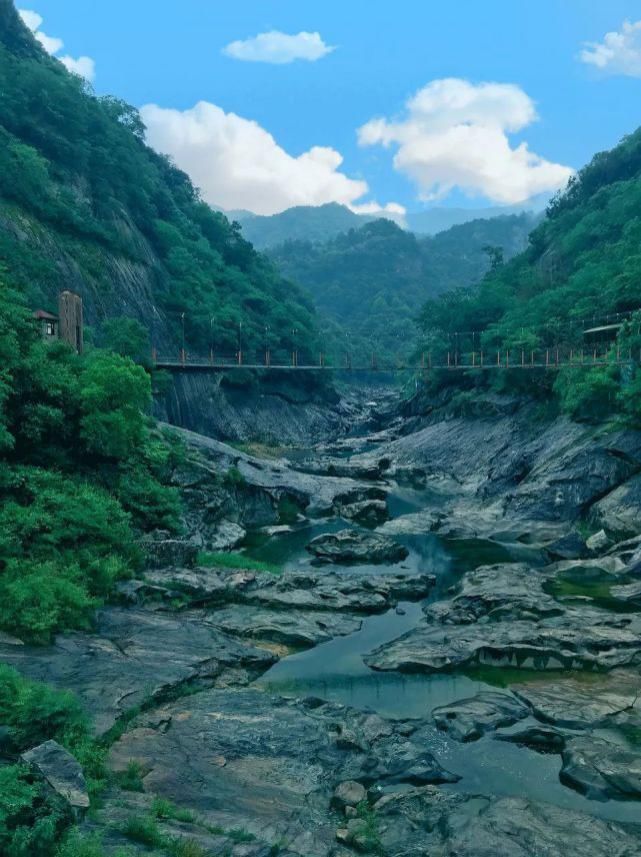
<point>448,661</point>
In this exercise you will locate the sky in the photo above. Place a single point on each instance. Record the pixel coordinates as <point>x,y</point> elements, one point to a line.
<point>375,104</point>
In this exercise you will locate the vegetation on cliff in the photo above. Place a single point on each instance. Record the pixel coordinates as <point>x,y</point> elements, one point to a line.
<point>582,263</point>
<point>82,199</point>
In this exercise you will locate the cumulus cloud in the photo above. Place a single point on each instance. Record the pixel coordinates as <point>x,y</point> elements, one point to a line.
<point>454,134</point>
<point>238,164</point>
<point>279,48</point>
<point>618,53</point>
<point>84,66</point>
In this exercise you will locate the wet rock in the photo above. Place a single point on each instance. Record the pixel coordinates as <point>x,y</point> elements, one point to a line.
<point>354,547</point>
<point>619,512</point>
<point>601,769</point>
<point>540,738</point>
<point>415,523</point>
<point>61,772</point>
<point>598,542</point>
<point>430,821</point>
<point>283,760</point>
<point>508,591</point>
<point>368,512</point>
<point>629,593</point>
<point>292,628</point>
<point>226,536</point>
<point>580,702</point>
<point>570,546</point>
<point>469,719</point>
<point>348,793</point>
<point>134,656</point>
<point>579,639</point>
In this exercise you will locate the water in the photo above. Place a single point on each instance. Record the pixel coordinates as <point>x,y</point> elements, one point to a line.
<point>336,671</point>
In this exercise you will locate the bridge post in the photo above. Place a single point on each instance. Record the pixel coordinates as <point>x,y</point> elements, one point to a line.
<point>183,356</point>
<point>154,356</point>
<point>547,357</point>
<point>481,357</point>
<point>211,356</point>
<point>429,360</point>
<point>240,357</point>
<point>498,358</point>
<point>532,358</point>
<point>557,356</point>
<point>448,359</point>
<point>507,359</point>
<point>474,358</point>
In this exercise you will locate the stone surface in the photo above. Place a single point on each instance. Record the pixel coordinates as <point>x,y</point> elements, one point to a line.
<point>545,739</point>
<point>368,512</point>
<point>579,639</point>
<point>62,773</point>
<point>585,701</point>
<point>356,547</point>
<point>290,627</point>
<point>570,546</point>
<point>598,542</point>
<point>601,769</point>
<point>428,821</point>
<point>136,655</point>
<point>619,512</point>
<point>469,719</point>
<point>629,593</point>
<point>161,551</point>
<point>348,793</point>
<point>282,760</point>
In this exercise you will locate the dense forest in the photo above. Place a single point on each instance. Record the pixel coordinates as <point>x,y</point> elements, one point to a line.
<point>372,281</point>
<point>85,203</point>
<point>583,263</point>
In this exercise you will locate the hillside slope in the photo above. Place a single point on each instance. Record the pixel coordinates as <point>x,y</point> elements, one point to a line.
<point>583,264</point>
<point>372,281</point>
<point>85,204</point>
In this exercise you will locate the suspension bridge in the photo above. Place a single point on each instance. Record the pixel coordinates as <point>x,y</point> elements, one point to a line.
<point>464,354</point>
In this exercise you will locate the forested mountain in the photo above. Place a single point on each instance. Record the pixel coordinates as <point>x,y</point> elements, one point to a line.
<point>583,263</point>
<point>371,282</point>
<point>301,223</point>
<point>85,204</point>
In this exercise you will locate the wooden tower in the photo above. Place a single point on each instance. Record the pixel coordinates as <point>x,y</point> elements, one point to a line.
<point>70,319</point>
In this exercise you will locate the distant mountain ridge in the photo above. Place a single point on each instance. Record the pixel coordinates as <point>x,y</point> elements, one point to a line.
<point>324,222</point>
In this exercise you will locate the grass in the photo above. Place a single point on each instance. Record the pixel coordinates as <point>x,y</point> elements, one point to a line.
<point>165,809</point>
<point>212,559</point>
<point>145,831</point>
<point>131,779</point>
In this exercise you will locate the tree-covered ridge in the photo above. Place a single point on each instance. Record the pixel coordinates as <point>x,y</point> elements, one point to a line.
<point>583,263</point>
<point>371,282</point>
<point>78,181</point>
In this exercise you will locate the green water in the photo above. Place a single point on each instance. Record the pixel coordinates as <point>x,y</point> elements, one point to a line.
<point>336,671</point>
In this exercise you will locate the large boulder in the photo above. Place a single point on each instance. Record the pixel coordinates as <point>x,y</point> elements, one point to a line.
<point>601,769</point>
<point>355,547</point>
<point>469,719</point>
<point>163,551</point>
<point>61,772</point>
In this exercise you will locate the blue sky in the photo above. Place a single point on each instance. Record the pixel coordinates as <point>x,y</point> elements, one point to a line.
<point>170,54</point>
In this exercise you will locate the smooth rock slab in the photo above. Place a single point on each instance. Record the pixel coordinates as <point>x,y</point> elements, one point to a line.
<point>601,769</point>
<point>428,821</point>
<point>469,719</point>
<point>580,639</point>
<point>244,759</point>
<point>290,627</point>
<point>133,656</point>
<point>354,547</point>
<point>585,702</point>
<point>507,591</point>
<point>334,591</point>
<point>62,773</point>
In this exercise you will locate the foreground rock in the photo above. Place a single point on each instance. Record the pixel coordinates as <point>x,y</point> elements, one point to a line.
<point>469,719</point>
<point>358,548</point>
<point>269,765</point>
<point>335,591</point>
<point>136,656</point>
<point>430,821</point>
<point>61,772</point>
<point>581,639</point>
<point>601,769</point>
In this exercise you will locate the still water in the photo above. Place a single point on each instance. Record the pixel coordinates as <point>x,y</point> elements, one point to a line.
<point>336,671</point>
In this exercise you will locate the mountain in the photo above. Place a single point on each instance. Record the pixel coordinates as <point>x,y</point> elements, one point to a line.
<point>582,266</point>
<point>435,220</point>
<point>301,223</point>
<point>86,205</point>
<point>371,281</point>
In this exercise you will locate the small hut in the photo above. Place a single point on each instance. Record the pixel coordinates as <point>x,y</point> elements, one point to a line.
<point>48,324</point>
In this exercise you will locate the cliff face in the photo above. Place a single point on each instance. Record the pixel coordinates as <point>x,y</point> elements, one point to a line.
<point>86,205</point>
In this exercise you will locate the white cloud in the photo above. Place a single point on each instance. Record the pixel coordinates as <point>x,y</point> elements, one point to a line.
<point>279,48</point>
<point>618,53</point>
<point>84,66</point>
<point>237,164</point>
<point>454,135</point>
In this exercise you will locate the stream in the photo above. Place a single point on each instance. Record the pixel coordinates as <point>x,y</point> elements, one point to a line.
<point>335,670</point>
